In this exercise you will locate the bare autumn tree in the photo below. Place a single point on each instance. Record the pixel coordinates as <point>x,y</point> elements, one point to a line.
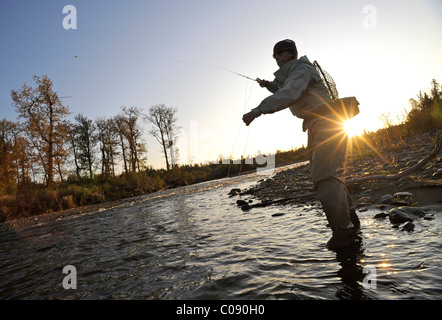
<point>119,125</point>
<point>60,159</point>
<point>75,150</point>
<point>7,155</point>
<point>44,116</point>
<point>130,132</point>
<point>25,158</point>
<point>107,136</point>
<point>165,130</point>
<point>84,141</point>
<point>16,156</point>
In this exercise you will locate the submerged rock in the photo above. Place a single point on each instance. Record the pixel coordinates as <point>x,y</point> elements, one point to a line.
<point>241,202</point>
<point>404,214</point>
<point>234,192</point>
<point>407,226</point>
<point>278,214</point>
<point>381,215</point>
<point>246,207</point>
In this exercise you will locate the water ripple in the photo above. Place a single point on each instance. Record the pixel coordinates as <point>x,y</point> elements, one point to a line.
<point>195,243</point>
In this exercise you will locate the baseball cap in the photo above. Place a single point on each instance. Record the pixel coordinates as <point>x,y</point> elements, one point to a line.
<point>285,45</point>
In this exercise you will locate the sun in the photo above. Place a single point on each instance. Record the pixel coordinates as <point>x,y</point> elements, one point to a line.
<point>353,128</point>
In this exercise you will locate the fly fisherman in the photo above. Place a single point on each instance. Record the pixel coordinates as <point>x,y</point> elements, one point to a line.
<point>298,86</point>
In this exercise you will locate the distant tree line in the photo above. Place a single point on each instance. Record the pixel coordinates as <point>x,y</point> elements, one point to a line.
<point>45,146</point>
<point>426,111</point>
<point>425,115</point>
<point>50,163</point>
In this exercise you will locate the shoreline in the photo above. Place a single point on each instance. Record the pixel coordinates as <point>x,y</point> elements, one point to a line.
<point>425,185</point>
<point>36,220</point>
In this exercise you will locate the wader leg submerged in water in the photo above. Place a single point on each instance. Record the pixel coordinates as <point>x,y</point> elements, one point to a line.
<point>327,143</point>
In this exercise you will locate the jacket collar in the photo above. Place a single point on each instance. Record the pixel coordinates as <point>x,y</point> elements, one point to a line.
<point>282,73</point>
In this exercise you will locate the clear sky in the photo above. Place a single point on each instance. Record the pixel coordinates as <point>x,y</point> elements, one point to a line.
<point>382,52</point>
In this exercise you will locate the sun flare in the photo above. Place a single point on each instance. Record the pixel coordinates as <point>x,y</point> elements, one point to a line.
<point>353,128</point>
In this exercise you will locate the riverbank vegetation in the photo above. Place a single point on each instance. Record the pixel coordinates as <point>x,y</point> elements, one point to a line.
<point>424,115</point>
<point>48,163</point>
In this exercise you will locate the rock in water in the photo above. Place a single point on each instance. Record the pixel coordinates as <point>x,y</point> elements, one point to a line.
<point>404,214</point>
<point>406,197</point>
<point>278,214</point>
<point>234,192</point>
<point>246,207</point>
<point>386,199</point>
<point>241,202</point>
<point>407,226</point>
<point>381,215</point>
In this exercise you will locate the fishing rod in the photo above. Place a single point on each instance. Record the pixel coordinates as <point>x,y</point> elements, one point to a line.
<point>195,63</point>
<point>239,74</point>
<point>170,60</point>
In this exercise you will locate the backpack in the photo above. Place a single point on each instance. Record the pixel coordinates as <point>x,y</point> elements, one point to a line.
<point>345,108</point>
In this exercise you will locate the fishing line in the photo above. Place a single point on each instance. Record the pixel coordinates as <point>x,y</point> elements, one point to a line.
<point>248,128</point>
<point>168,60</point>
<point>246,99</point>
<point>247,96</point>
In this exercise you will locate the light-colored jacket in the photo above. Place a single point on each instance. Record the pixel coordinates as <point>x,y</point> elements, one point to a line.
<point>298,86</point>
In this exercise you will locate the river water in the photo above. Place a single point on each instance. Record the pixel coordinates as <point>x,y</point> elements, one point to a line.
<point>195,243</point>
